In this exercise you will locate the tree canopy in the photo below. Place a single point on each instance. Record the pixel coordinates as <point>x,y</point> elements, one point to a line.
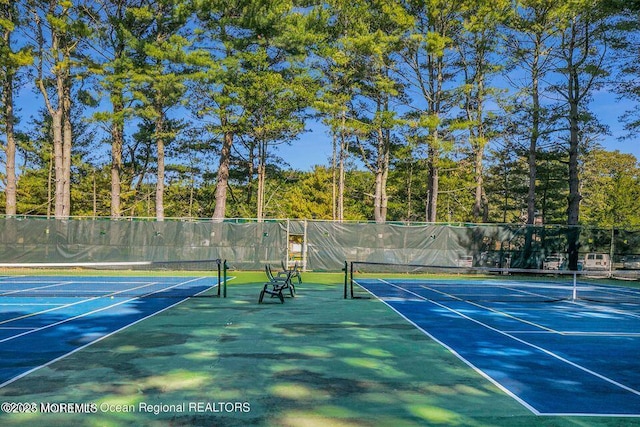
<point>437,111</point>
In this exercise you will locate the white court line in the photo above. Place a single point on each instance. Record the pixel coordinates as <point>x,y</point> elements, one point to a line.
<point>50,285</point>
<point>94,311</point>
<point>545,328</point>
<point>528,322</point>
<point>452,351</point>
<point>578,333</point>
<point>606,309</point>
<point>24,374</point>
<point>28,304</point>
<point>31,289</point>
<point>601,334</point>
<point>81,279</point>
<point>548,352</point>
<point>59,307</point>
<point>56,307</point>
<point>541,349</point>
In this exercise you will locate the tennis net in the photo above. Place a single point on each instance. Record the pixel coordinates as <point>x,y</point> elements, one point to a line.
<point>141,279</point>
<point>410,281</point>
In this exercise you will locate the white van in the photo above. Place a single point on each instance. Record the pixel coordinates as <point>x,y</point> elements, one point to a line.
<point>554,262</point>
<point>596,262</point>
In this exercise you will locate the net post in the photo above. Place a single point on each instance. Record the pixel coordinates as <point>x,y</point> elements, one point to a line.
<point>346,278</point>
<point>219,276</point>
<point>351,279</point>
<point>224,278</point>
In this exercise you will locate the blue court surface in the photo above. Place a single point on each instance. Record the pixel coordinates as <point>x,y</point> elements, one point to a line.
<point>44,319</point>
<point>565,357</point>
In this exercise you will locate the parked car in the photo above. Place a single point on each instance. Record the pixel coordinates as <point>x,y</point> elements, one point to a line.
<point>489,259</point>
<point>596,261</point>
<point>554,262</point>
<point>631,262</point>
<point>465,261</point>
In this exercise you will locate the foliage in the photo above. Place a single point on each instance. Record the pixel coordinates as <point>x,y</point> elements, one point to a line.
<point>431,104</point>
<point>611,189</point>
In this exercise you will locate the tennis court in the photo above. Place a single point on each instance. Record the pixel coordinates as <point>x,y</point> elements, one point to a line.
<point>557,348</point>
<point>317,359</point>
<point>44,318</point>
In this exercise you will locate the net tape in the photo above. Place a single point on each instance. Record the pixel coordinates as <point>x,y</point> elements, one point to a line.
<point>364,279</point>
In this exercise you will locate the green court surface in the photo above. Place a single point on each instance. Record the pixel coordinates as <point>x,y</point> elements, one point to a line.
<point>316,360</point>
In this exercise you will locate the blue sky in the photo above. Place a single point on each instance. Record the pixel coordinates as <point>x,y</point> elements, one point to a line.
<point>609,109</point>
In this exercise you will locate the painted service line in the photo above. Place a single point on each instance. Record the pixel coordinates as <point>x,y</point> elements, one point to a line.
<point>61,307</point>
<point>98,338</point>
<point>460,315</point>
<point>528,322</point>
<point>520,340</point>
<point>89,312</point>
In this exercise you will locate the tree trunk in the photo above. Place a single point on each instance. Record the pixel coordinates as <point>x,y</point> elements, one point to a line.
<point>7,12</point>
<point>248,196</point>
<point>381,173</point>
<point>478,143</point>
<point>67,137</point>
<point>410,191</point>
<point>223,176</point>
<point>432,184</point>
<point>573,208</point>
<point>60,120</point>
<point>377,197</point>
<point>58,164</point>
<point>10,191</point>
<point>480,206</point>
<point>262,172</point>
<point>334,178</point>
<point>535,134</point>
<point>383,196</point>
<point>161,169</point>
<point>532,155</point>
<point>117,142</point>
<point>573,99</point>
<point>49,185</point>
<point>341,168</point>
